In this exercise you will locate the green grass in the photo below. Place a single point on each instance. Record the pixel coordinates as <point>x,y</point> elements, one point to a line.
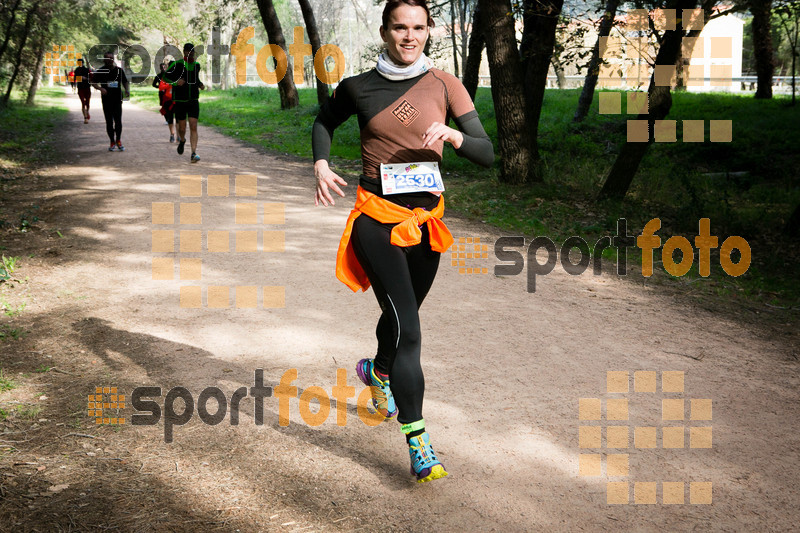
<point>28,411</point>
<point>7,332</point>
<point>25,127</point>
<point>9,309</point>
<point>7,267</point>
<point>24,147</point>
<point>6,383</point>
<point>677,182</point>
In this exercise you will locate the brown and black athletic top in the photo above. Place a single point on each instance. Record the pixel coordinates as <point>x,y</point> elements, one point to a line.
<point>393,116</point>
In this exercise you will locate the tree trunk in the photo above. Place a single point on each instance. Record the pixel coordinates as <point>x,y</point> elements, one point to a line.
<point>685,59</point>
<point>791,12</point>
<point>540,19</point>
<point>561,80</point>
<point>37,70</point>
<point>513,133</point>
<point>762,46</point>
<point>316,43</point>
<point>7,36</point>
<point>453,37</point>
<point>286,87</point>
<point>793,224</point>
<point>477,41</point>
<point>660,101</point>
<point>794,74</point>
<point>462,25</point>
<point>18,62</point>
<point>589,84</point>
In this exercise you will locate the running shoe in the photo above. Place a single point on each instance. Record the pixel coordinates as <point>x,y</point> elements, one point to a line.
<point>172,138</point>
<point>88,117</point>
<point>382,398</point>
<point>180,146</point>
<point>424,463</point>
<point>120,147</point>
<point>112,147</point>
<point>86,121</point>
<point>195,157</point>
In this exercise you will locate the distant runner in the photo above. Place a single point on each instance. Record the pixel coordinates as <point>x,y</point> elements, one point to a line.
<point>165,100</point>
<point>82,80</point>
<point>184,75</point>
<point>109,80</point>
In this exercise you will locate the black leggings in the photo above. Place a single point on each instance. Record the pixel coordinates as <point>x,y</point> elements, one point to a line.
<point>112,109</point>
<point>401,278</point>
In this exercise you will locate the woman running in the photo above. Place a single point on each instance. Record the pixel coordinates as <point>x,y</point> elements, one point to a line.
<point>394,236</point>
<point>165,100</point>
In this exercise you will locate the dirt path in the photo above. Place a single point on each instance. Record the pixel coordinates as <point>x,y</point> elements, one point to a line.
<point>505,370</point>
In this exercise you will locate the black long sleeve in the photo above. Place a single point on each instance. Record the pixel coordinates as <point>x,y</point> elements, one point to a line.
<point>477,146</point>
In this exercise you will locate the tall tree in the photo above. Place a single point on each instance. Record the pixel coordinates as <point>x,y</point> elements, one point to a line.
<point>286,86</point>
<point>12,17</point>
<point>788,14</point>
<point>43,35</point>
<point>762,46</point>
<point>517,157</point>
<point>477,42</point>
<point>793,224</point>
<point>540,19</point>
<point>30,15</point>
<point>316,43</point>
<point>590,82</point>
<point>453,37</point>
<point>660,101</point>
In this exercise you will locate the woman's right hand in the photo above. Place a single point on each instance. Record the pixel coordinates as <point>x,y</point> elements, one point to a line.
<point>326,180</point>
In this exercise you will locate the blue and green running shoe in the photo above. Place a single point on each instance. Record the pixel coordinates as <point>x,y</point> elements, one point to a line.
<point>424,463</point>
<point>382,398</point>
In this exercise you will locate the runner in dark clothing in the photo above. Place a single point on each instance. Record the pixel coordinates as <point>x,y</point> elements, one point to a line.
<point>394,235</point>
<point>184,76</point>
<point>82,80</point>
<point>165,100</point>
<point>110,80</point>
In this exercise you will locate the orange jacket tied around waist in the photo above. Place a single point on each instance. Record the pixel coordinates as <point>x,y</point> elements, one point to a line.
<point>405,233</point>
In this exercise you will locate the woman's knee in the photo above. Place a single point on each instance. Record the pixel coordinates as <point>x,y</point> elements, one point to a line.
<point>410,336</point>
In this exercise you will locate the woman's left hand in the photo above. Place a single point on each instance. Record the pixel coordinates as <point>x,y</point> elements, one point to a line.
<point>440,132</point>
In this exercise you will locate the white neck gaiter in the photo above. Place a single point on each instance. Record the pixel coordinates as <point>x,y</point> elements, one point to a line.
<point>392,71</point>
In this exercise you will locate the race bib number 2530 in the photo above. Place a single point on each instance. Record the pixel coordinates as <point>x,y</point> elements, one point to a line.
<point>399,178</point>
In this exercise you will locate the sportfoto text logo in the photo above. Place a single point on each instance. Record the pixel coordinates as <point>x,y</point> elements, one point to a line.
<point>647,241</point>
<point>327,55</point>
<point>148,410</point>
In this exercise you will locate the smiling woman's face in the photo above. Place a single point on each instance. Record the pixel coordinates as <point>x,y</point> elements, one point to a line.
<point>406,34</point>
